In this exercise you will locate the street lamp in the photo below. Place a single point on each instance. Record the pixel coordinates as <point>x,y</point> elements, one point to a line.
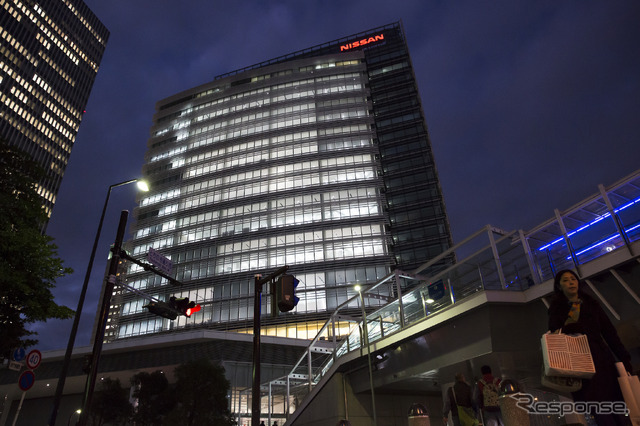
<point>78,411</point>
<point>143,186</point>
<point>365,332</point>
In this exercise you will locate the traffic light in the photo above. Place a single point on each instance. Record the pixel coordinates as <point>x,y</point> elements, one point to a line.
<point>173,308</point>
<point>286,293</point>
<point>86,363</point>
<point>183,306</point>
<point>162,309</point>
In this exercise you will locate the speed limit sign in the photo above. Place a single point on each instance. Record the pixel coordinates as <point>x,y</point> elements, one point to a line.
<point>33,359</point>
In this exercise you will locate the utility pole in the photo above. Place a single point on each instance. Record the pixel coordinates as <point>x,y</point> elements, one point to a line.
<point>257,305</point>
<point>104,314</point>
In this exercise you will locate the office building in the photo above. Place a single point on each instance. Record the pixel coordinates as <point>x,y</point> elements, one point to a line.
<point>319,160</point>
<point>50,54</point>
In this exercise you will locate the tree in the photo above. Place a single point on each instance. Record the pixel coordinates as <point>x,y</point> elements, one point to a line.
<point>29,262</point>
<point>201,393</point>
<point>111,405</point>
<point>154,398</point>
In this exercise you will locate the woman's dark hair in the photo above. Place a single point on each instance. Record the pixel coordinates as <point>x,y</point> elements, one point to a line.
<point>556,281</point>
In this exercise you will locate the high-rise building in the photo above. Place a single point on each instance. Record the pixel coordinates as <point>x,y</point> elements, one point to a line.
<point>49,55</point>
<point>319,160</point>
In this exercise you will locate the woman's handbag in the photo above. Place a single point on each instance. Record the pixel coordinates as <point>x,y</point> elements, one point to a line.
<point>567,356</point>
<point>466,415</point>
<point>561,384</point>
<point>630,387</point>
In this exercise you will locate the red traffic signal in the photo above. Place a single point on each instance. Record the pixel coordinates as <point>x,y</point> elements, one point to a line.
<point>183,306</point>
<point>173,308</point>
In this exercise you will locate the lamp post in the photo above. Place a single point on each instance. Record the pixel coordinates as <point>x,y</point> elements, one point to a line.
<point>142,185</point>
<point>365,332</point>
<point>103,318</point>
<point>78,411</point>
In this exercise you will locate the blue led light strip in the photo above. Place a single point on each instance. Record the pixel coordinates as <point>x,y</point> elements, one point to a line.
<point>603,241</point>
<point>604,216</point>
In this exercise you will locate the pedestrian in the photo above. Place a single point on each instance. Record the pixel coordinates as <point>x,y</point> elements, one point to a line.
<point>459,401</point>
<point>573,311</point>
<point>488,398</point>
<point>262,423</point>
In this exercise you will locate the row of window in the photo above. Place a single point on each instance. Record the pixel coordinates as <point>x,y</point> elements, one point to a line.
<point>270,172</point>
<point>399,119</point>
<point>251,147</point>
<point>42,127</point>
<point>84,21</point>
<point>310,237</point>
<point>242,310</point>
<point>419,195</point>
<point>31,89</point>
<point>235,214</point>
<point>67,48</point>
<point>20,105</point>
<point>393,67</point>
<point>265,120</point>
<point>262,100</point>
<point>253,129</point>
<point>173,208</point>
<point>345,114</point>
<point>266,185</point>
<point>412,216</point>
<point>172,152</point>
<point>297,255</point>
<point>329,65</point>
<point>259,91</point>
<point>413,179</point>
<point>66,77</point>
<point>9,40</point>
<point>290,139</point>
<point>277,185</point>
<point>292,217</point>
<point>418,234</point>
<point>222,309</point>
<point>414,256</point>
<point>248,157</point>
<point>262,115</point>
<point>162,196</point>
<point>313,285</point>
<point>253,208</point>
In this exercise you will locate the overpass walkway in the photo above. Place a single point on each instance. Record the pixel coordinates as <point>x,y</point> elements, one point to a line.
<point>599,237</point>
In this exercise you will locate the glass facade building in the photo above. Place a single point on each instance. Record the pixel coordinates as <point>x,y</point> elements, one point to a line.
<point>50,52</point>
<point>319,160</point>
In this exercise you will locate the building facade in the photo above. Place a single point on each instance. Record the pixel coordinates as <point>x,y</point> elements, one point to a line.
<point>319,160</point>
<point>50,54</point>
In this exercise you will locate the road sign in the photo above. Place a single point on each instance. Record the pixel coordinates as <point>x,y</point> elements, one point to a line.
<point>26,380</point>
<point>19,354</point>
<point>159,261</point>
<point>15,365</point>
<point>33,359</point>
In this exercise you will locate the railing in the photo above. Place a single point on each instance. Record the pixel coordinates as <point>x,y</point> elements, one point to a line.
<point>491,260</point>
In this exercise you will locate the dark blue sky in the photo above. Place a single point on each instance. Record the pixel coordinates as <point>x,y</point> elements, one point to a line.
<point>530,105</point>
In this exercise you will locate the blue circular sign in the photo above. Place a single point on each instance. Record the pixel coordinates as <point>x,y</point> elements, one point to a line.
<point>27,379</point>
<point>19,354</point>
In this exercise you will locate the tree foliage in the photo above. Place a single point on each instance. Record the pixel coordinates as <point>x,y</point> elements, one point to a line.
<point>201,394</point>
<point>29,262</point>
<point>154,398</point>
<point>111,404</point>
<point>198,396</point>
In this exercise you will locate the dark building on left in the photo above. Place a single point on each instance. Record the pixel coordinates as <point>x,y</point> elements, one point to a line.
<point>50,52</point>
